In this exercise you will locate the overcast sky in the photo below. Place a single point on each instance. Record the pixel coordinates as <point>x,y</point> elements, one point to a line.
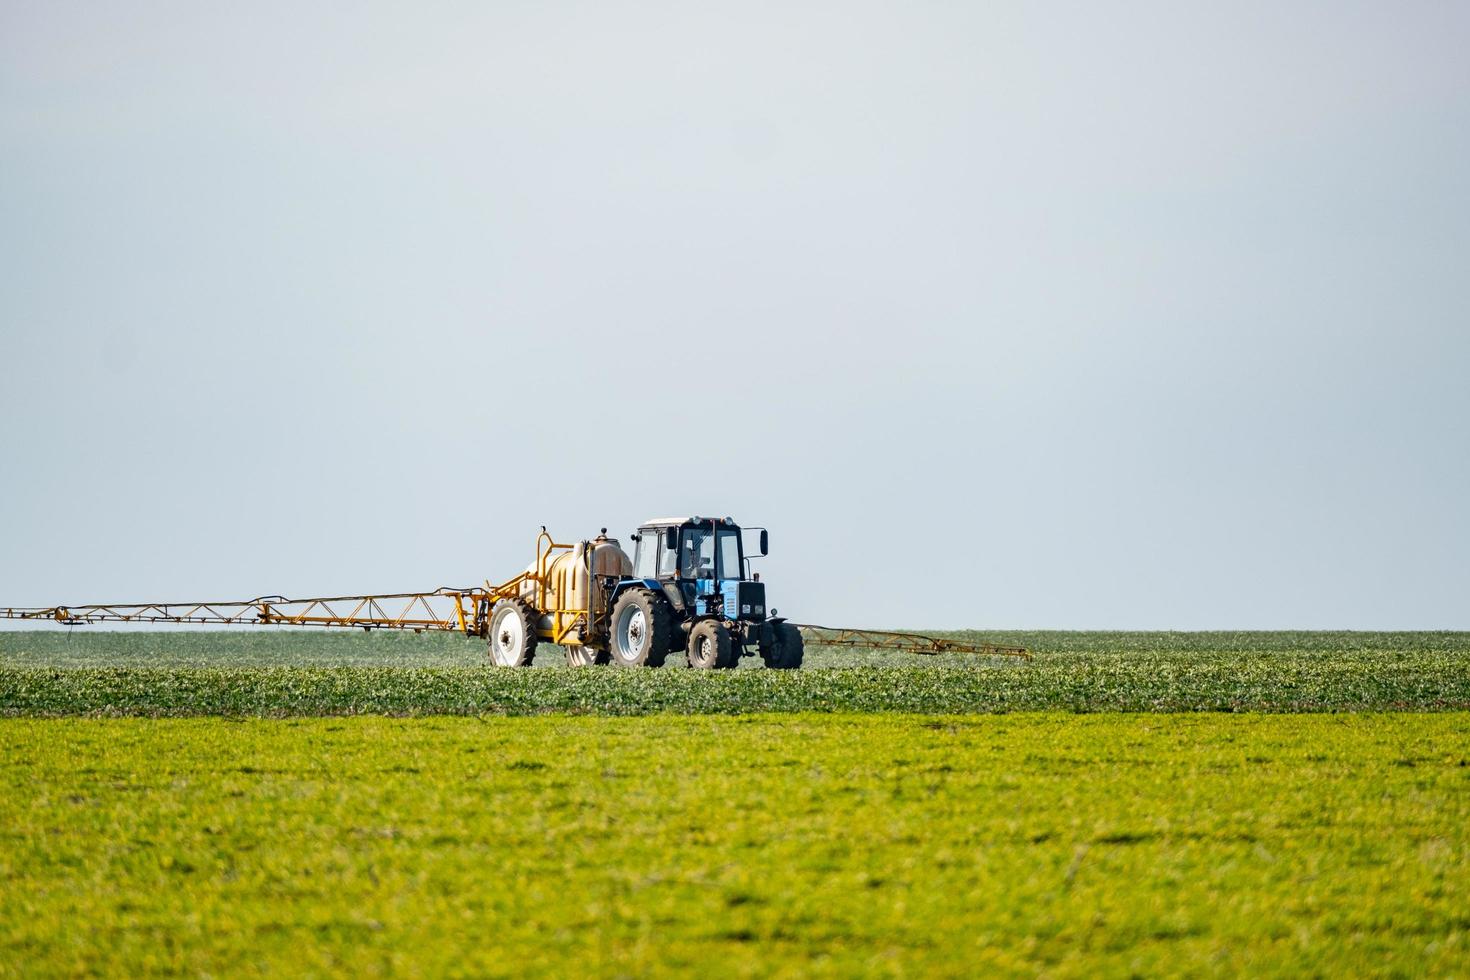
<point>1026,314</point>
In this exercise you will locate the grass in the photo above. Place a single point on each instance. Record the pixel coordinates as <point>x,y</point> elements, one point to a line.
<point>915,836</point>
<point>315,674</point>
<point>295,647</point>
<point>786,845</point>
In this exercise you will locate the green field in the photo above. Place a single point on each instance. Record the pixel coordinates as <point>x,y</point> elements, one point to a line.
<point>313,674</point>
<point>789,844</point>
<point>295,647</point>
<point>1123,804</point>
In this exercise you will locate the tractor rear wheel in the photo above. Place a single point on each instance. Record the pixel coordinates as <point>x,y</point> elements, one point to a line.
<point>642,624</point>
<point>584,656</point>
<point>710,647</point>
<point>787,651</point>
<point>512,634</point>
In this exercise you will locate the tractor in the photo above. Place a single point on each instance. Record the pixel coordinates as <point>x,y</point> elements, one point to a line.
<point>688,587</point>
<point>692,590</point>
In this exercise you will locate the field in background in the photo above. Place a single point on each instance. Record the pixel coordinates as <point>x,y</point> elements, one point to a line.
<point>295,646</point>
<point>299,672</point>
<point>1320,845</point>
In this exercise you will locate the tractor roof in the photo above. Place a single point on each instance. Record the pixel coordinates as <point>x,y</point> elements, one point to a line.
<point>667,521</point>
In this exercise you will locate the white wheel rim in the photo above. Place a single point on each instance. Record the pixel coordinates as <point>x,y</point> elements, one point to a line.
<point>510,638</point>
<point>632,632</point>
<point>705,653</point>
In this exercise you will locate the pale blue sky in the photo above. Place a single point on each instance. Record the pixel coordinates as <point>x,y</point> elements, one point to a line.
<point>1026,314</point>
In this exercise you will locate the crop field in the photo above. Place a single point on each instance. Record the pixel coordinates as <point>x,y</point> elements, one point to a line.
<point>93,646</point>
<point>774,844</point>
<point>1123,804</point>
<point>310,673</point>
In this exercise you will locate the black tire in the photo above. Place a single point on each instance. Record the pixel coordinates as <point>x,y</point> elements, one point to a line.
<point>787,651</point>
<point>512,636</point>
<point>710,647</point>
<point>581,656</point>
<point>640,628</point>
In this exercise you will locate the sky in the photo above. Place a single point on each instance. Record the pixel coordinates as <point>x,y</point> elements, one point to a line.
<point>1033,314</point>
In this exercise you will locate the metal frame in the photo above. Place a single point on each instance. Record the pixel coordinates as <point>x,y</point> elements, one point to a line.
<point>442,609</point>
<point>464,611</point>
<point>564,619</point>
<point>829,636</point>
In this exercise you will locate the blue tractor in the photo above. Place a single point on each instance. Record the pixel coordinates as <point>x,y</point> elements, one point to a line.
<point>691,589</point>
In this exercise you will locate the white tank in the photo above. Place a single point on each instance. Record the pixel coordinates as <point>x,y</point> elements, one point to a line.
<point>575,583</point>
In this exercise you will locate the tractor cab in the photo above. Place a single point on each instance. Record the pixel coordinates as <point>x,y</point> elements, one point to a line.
<point>700,565</point>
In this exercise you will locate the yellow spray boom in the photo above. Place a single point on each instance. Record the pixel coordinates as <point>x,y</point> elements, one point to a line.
<point>587,597</point>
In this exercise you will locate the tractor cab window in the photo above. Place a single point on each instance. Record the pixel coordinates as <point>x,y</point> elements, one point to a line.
<point>696,553</point>
<point>729,554</point>
<point>644,563</point>
<point>668,560</point>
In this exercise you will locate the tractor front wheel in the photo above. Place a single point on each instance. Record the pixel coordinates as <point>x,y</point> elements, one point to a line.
<point>787,651</point>
<point>512,634</point>
<point>642,625</point>
<point>710,647</point>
